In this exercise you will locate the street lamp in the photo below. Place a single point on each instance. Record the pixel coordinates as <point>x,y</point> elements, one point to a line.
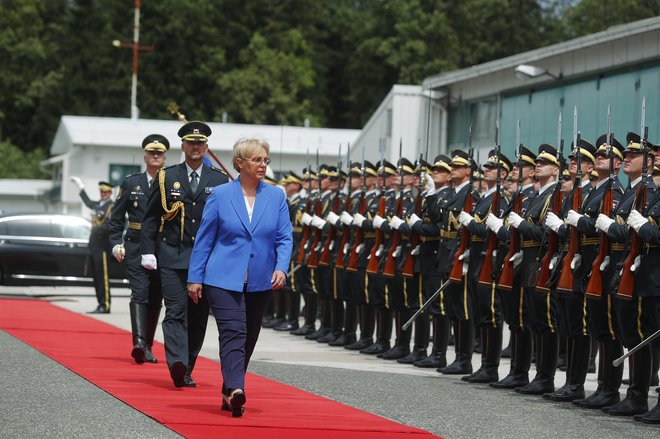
<point>524,71</point>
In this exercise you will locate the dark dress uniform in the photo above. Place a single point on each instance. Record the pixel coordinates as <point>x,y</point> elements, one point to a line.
<point>99,247</point>
<point>177,209</point>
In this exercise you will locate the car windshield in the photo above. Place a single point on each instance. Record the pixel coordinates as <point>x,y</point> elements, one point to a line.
<point>46,227</point>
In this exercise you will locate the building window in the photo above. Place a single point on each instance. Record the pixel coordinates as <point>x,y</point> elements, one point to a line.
<point>118,172</point>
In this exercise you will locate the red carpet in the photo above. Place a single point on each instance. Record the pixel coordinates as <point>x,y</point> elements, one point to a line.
<point>99,353</point>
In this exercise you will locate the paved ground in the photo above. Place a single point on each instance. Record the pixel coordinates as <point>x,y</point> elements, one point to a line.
<point>40,398</point>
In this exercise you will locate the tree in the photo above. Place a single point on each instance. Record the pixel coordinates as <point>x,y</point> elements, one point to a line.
<point>21,164</point>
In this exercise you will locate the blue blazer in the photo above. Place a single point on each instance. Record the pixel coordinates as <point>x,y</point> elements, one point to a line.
<point>228,245</point>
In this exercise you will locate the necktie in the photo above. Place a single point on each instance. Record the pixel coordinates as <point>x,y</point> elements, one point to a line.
<point>194,181</point>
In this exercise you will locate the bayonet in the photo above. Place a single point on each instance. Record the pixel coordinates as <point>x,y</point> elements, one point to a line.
<point>608,139</point>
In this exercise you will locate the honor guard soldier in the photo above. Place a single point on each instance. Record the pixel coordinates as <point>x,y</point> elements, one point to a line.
<point>174,212</point>
<point>130,206</point>
<point>487,302</point>
<point>99,244</point>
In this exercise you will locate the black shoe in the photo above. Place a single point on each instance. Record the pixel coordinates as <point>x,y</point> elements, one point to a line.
<point>511,382</point>
<point>435,361</point>
<point>272,323</point>
<point>178,374</point>
<point>484,376</point>
<point>343,340</point>
<point>536,387</point>
<point>599,401</point>
<point>415,356</point>
<point>139,353</point>
<point>377,348</point>
<point>330,336</point>
<point>234,402</point>
<point>395,353</point>
<point>457,368</point>
<point>100,310</point>
<point>570,393</point>
<point>287,326</point>
<point>304,330</point>
<point>653,416</point>
<point>149,356</point>
<point>627,407</point>
<point>559,391</point>
<point>360,344</point>
<point>321,332</point>
<point>189,382</point>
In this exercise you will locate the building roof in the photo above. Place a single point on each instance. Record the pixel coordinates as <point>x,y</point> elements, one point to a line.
<point>14,187</point>
<point>124,132</point>
<point>611,34</point>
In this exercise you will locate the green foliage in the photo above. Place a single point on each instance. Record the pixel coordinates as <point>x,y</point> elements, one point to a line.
<point>21,164</point>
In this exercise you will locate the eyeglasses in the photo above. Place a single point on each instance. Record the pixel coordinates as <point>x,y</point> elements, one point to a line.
<point>258,162</point>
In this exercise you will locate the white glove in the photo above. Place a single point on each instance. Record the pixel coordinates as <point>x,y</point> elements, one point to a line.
<point>413,219</point>
<point>149,262</point>
<point>78,182</point>
<point>358,219</point>
<point>429,184</point>
<point>332,218</point>
<point>306,218</point>
<point>465,218</point>
<point>517,258</point>
<point>465,257</point>
<point>636,220</point>
<point>318,222</point>
<point>553,222</point>
<point>118,252</point>
<point>576,262</point>
<point>553,262</point>
<point>346,218</point>
<point>605,264</point>
<point>572,218</point>
<point>494,223</point>
<point>378,221</point>
<point>515,220</point>
<point>635,265</point>
<point>604,222</point>
<point>396,222</point>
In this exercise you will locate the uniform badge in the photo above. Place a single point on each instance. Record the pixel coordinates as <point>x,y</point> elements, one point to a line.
<point>208,190</point>
<point>176,185</point>
<point>138,188</point>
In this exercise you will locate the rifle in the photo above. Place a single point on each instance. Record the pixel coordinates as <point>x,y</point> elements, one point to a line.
<point>324,258</point>
<point>372,264</point>
<point>300,257</point>
<point>566,276</point>
<point>312,251</point>
<point>389,268</point>
<point>456,273</point>
<point>543,280</point>
<point>595,284</point>
<point>627,281</point>
<point>486,273</point>
<point>345,230</point>
<point>352,264</point>
<point>505,280</point>
<point>408,269</point>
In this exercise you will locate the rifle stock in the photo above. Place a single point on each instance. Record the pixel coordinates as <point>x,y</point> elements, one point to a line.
<point>595,283</point>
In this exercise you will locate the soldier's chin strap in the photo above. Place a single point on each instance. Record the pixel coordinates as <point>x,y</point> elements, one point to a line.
<point>170,214</point>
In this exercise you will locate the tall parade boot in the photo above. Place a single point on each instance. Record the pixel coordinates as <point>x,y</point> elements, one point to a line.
<point>367,315</point>
<point>421,340</point>
<point>350,326</point>
<point>576,374</point>
<point>464,341</point>
<point>311,308</point>
<point>138,313</point>
<point>547,350</point>
<point>438,357</point>
<point>636,400</point>
<point>325,317</point>
<point>269,313</point>
<point>568,360</point>
<point>336,321</point>
<point>607,393</point>
<point>153,312</point>
<point>279,310</point>
<point>401,346</point>
<point>292,300</point>
<point>491,341</point>
<point>521,361</point>
<point>383,334</point>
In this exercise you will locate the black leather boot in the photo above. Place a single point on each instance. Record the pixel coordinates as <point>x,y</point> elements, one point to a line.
<point>311,307</point>
<point>636,400</point>
<point>546,365</point>
<point>384,333</point>
<point>138,313</point>
<point>576,374</point>
<point>607,393</point>
<point>279,311</point>
<point>521,361</point>
<point>401,346</point>
<point>153,313</point>
<point>464,339</point>
<point>336,321</point>
<point>652,416</point>
<point>326,321</point>
<point>350,326</point>
<point>421,343</point>
<point>491,340</point>
<point>367,315</point>
<point>438,357</point>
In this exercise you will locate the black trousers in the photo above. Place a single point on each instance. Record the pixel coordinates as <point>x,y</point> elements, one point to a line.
<point>145,284</point>
<point>99,265</point>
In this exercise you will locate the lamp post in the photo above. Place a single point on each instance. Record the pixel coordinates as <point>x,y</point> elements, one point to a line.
<point>524,71</point>
<point>136,49</point>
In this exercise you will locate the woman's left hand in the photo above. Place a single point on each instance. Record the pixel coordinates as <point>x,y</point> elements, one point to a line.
<point>195,292</point>
<point>278,280</point>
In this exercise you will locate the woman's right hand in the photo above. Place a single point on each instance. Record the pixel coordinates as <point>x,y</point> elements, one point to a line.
<point>195,292</point>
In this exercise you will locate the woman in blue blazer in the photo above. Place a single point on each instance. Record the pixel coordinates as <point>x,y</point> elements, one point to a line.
<point>242,251</point>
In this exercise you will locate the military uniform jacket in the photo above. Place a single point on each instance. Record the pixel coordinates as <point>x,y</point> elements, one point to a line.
<point>407,205</point>
<point>356,198</point>
<point>131,202</point>
<point>295,202</point>
<point>368,236</point>
<point>528,195</point>
<point>429,230</point>
<point>647,276</point>
<point>172,203</point>
<point>330,199</point>
<point>98,237</point>
<point>451,209</point>
<point>479,232</point>
<point>533,233</point>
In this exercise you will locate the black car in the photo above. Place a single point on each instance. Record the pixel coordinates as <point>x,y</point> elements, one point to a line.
<point>48,249</point>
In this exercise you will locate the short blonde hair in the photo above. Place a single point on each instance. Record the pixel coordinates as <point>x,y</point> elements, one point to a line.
<point>247,147</point>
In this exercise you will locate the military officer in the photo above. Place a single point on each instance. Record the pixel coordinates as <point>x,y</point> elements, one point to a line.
<point>131,203</point>
<point>176,204</point>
